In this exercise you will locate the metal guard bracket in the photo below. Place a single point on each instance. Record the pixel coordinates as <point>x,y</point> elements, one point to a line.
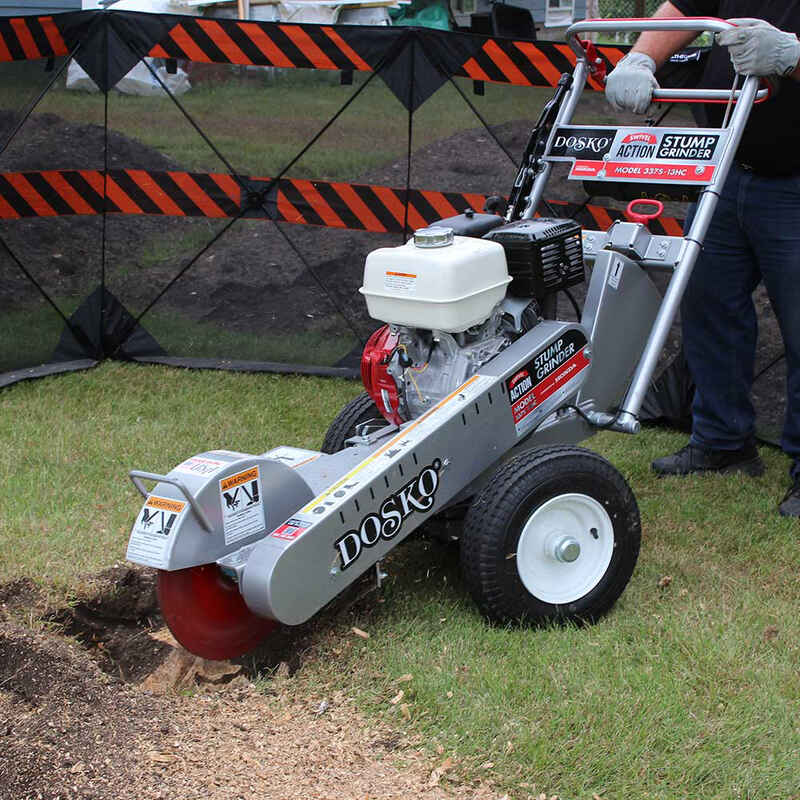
<point>137,476</point>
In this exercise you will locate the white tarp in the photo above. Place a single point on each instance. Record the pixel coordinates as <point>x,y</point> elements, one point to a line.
<point>140,80</point>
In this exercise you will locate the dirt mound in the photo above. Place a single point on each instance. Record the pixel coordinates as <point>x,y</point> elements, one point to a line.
<point>47,141</point>
<point>69,730</point>
<point>113,616</point>
<point>20,597</point>
<point>192,728</point>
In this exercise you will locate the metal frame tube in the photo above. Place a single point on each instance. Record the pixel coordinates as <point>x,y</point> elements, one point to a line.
<point>563,117</point>
<point>687,258</point>
<point>699,24</point>
<point>136,476</point>
<point>626,418</point>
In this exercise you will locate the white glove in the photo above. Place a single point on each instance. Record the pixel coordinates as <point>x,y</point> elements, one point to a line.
<point>758,48</point>
<point>630,85</point>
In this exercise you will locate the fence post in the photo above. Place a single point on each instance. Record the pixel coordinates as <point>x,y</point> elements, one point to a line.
<point>638,8</point>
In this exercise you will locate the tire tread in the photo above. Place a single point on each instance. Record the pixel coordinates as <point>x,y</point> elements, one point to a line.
<point>488,516</point>
<point>359,409</point>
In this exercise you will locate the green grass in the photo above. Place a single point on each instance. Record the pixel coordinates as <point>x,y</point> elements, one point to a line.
<point>260,126</point>
<point>68,445</point>
<point>686,690</point>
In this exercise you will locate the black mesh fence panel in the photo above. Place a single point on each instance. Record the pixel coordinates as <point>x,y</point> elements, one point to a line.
<point>228,226</point>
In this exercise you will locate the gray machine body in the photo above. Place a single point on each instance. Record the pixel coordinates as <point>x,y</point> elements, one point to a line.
<point>295,527</point>
<point>330,518</point>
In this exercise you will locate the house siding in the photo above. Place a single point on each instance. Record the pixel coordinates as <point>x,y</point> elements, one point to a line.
<point>38,7</point>
<point>537,9</point>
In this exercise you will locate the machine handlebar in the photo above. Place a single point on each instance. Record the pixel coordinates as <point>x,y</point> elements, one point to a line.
<point>688,24</point>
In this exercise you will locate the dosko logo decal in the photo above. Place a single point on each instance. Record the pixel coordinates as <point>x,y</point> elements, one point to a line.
<point>582,142</point>
<point>417,495</point>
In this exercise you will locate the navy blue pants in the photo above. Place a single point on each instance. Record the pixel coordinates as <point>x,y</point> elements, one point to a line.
<point>754,236</point>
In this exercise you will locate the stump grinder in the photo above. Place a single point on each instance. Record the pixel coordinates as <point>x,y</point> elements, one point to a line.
<point>475,400</point>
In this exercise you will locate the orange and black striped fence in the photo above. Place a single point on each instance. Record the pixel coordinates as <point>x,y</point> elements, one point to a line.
<point>362,207</point>
<point>297,46</point>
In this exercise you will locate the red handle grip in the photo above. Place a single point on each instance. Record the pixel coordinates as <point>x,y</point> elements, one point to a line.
<point>643,217</point>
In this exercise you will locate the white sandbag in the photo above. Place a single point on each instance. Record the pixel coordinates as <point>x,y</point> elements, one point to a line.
<point>308,12</point>
<point>78,79</point>
<point>139,80</point>
<point>142,82</point>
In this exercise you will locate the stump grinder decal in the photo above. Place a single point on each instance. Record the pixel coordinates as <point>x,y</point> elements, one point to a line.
<point>548,371</point>
<point>669,155</point>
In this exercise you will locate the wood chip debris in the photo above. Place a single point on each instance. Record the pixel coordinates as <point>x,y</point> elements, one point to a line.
<point>770,633</point>
<point>397,698</point>
<point>436,775</point>
<point>322,707</point>
<point>359,632</point>
<point>405,678</point>
<point>664,581</point>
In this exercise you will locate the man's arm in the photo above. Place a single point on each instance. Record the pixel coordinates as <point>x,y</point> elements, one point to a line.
<point>630,85</point>
<point>660,45</point>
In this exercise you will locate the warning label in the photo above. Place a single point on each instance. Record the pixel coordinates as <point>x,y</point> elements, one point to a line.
<point>405,282</point>
<point>201,466</point>
<point>549,370</point>
<point>150,535</point>
<point>291,529</point>
<point>242,505</point>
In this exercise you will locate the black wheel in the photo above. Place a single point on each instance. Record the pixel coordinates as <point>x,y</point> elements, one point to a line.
<point>360,409</point>
<point>554,536</point>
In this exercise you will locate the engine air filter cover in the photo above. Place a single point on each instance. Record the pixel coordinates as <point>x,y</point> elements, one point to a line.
<point>543,254</point>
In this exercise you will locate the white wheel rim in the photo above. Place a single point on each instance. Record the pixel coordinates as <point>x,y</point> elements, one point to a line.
<point>565,520</point>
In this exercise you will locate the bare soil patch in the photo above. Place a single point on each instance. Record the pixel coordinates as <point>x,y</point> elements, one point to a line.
<point>99,702</point>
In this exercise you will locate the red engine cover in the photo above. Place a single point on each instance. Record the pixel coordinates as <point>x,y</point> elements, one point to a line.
<point>377,381</point>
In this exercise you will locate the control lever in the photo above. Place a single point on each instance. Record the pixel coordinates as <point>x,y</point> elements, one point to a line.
<point>643,217</point>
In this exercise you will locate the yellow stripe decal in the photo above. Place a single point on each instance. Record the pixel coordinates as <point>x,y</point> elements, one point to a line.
<point>381,450</point>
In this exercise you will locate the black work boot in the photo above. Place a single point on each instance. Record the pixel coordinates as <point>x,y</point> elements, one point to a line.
<point>693,458</point>
<point>790,505</point>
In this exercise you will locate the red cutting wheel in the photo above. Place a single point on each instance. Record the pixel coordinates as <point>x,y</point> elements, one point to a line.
<point>207,614</point>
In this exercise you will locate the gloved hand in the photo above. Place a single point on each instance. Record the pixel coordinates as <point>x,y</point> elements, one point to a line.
<point>630,85</point>
<point>758,48</point>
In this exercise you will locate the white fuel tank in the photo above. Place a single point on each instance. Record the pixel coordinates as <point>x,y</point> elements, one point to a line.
<point>436,281</point>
